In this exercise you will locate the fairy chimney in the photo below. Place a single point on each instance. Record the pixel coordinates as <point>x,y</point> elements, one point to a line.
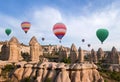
<point>63,54</point>
<point>73,54</point>
<point>35,49</point>
<point>14,50</point>
<point>113,57</point>
<point>93,56</point>
<point>100,54</point>
<point>80,55</point>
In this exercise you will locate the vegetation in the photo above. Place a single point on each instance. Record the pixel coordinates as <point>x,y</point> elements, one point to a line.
<point>6,72</point>
<point>27,79</point>
<point>66,60</point>
<point>48,80</point>
<point>26,56</point>
<point>49,56</point>
<point>112,76</point>
<point>86,57</point>
<point>108,75</point>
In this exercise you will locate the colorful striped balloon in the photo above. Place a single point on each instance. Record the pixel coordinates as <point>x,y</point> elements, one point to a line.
<point>59,29</point>
<point>25,26</point>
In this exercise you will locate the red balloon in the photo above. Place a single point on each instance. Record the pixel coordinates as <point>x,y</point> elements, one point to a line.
<point>25,26</point>
<point>59,29</point>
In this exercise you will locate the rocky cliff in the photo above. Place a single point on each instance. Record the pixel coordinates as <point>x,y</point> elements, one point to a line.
<point>56,72</point>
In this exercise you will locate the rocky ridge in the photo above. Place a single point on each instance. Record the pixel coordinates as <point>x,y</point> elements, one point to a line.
<point>56,72</point>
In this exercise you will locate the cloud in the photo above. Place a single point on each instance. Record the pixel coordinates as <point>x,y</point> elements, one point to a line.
<point>85,27</point>
<point>78,27</point>
<point>43,21</point>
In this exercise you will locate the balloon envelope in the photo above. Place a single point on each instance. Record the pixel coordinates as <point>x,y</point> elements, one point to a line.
<point>102,34</point>
<point>25,26</point>
<point>43,38</point>
<point>8,31</point>
<point>83,40</point>
<point>89,45</point>
<point>59,29</point>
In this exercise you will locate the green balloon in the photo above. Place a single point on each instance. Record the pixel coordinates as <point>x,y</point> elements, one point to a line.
<point>102,34</point>
<point>8,31</point>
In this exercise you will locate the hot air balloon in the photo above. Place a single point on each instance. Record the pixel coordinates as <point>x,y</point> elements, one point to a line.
<point>25,26</point>
<point>83,40</point>
<point>102,34</point>
<point>43,38</point>
<point>8,31</point>
<point>59,30</point>
<point>89,45</point>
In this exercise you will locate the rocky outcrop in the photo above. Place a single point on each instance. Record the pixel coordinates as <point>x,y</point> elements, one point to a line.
<point>5,51</point>
<point>35,49</point>
<point>93,56</point>
<point>11,50</point>
<point>113,57</point>
<point>80,55</point>
<point>100,54</point>
<point>114,67</point>
<point>15,54</point>
<point>57,72</point>
<point>62,54</point>
<point>73,54</point>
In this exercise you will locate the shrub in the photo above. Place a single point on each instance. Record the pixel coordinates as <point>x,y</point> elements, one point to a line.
<point>26,79</point>
<point>115,76</point>
<point>66,60</point>
<point>6,70</point>
<point>26,56</point>
<point>48,80</point>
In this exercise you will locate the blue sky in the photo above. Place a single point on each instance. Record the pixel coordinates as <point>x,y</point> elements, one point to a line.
<point>82,18</point>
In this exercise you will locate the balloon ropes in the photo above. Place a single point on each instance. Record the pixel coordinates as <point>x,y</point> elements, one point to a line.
<point>102,34</point>
<point>59,30</point>
<point>25,26</point>
<point>8,31</point>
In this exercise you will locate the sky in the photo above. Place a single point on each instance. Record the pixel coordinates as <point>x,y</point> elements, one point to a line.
<point>81,17</point>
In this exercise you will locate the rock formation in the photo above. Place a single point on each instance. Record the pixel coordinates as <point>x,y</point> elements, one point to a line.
<point>80,55</point>
<point>14,46</point>
<point>114,67</point>
<point>93,56</point>
<point>35,49</point>
<point>5,51</point>
<point>73,54</point>
<point>100,54</point>
<point>11,50</point>
<point>58,72</point>
<point>62,54</point>
<point>113,57</point>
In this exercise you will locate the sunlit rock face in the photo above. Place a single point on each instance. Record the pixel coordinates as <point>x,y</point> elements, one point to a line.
<point>73,54</point>
<point>35,49</point>
<point>113,57</point>
<point>93,56</point>
<point>14,46</point>
<point>80,55</point>
<point>100,54</point>
<point>57,72</point>
<point>11,50</point>
<point>63,53</point>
